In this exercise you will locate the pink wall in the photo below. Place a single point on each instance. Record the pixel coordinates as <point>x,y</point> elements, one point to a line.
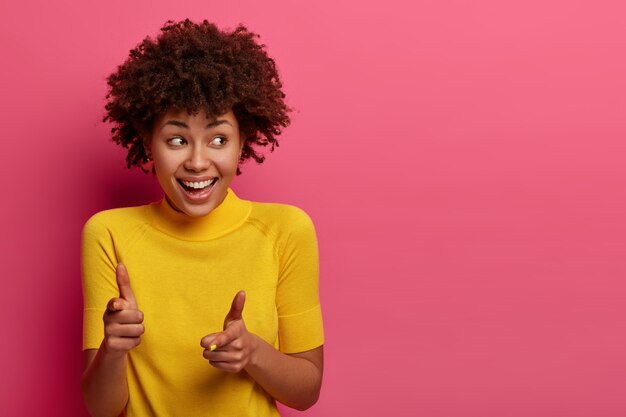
<point>463,162</point>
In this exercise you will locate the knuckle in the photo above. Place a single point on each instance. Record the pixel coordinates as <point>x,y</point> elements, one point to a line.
<point>110,329</point>
<point>128,330</point>
<point>110,343</point>
<point>135,330</point>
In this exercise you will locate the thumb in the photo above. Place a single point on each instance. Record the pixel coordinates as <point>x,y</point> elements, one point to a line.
<point>236,308</point>
<point>123,283</point>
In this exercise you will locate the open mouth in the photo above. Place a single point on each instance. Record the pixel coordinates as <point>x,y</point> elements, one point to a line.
<point>197,187</point>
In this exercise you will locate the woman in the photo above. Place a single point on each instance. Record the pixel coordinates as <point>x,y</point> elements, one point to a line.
<point>210,302</point>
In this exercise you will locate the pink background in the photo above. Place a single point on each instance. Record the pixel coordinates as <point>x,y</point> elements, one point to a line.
<point>463,162</point>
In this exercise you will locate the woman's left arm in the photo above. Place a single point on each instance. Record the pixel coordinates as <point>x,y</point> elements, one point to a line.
<point>293,379</point>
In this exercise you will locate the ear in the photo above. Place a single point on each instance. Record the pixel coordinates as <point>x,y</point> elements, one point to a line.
<point>242,142</point>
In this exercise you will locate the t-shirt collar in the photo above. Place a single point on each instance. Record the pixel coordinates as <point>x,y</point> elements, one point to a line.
<point>229,215</point>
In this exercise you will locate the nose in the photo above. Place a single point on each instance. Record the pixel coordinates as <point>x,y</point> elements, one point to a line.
<point>198,159</point>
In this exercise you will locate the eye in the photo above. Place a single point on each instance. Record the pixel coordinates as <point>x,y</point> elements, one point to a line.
<point>218,141</point>
<point>176,141</point>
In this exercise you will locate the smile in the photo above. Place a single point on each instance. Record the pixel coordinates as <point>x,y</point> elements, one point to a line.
<point>197,185</point>
<point>197,192</point>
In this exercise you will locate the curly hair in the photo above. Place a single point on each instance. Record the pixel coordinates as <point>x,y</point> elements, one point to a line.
<point>195,67</point>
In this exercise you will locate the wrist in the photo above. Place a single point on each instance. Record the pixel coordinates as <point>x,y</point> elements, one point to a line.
<point>255,344</point>
<point>112,354</point>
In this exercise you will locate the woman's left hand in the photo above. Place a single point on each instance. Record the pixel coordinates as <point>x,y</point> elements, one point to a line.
<point>232,349</point>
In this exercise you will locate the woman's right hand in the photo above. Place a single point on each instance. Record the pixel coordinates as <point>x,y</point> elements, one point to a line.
<point>104,385</point>
<point>122,319</point>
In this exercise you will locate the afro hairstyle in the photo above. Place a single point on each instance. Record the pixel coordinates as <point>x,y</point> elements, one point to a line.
<point>193,67</point>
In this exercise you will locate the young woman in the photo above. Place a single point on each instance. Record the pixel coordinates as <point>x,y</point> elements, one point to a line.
<point>210,302</point>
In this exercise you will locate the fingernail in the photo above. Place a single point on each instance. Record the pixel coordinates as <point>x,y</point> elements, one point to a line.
<point>115,305</point>
<point>213,347</point>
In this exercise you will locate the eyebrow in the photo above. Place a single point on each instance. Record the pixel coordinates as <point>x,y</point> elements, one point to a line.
<point>184,125</point>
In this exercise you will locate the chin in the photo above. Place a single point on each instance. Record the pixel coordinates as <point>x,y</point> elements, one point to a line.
<point>198,208</point>
<point>198,211</point>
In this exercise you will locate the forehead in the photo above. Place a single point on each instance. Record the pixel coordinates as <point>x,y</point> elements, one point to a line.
<point>201,119</point>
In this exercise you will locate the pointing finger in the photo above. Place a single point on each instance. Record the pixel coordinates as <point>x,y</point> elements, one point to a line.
<point>236,308</point>
<point>219,340</point>
<point>207,341</point>
<point>123,283</point>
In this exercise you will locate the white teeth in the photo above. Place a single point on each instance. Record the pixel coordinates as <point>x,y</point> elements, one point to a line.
<point>198,185</point>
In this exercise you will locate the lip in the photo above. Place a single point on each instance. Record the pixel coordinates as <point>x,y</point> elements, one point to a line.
<point>195,179</point>
<point>198,197</point>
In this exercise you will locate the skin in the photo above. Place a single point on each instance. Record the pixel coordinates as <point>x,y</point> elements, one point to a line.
<point>195,148</point>
<point>103,383</point>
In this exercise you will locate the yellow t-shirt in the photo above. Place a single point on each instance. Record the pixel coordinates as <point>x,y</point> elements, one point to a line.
<point>184,273</point>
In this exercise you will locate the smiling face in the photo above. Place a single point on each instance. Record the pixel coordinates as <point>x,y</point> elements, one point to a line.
<point>195,159</point>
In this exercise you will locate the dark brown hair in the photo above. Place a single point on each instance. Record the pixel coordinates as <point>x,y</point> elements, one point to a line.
<point>192,66</point>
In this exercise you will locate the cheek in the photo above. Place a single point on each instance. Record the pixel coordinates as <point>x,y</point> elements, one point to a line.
<point>227,165</point>
<point>165,162</point>
<point>164,168</point>
<point>158,167</point>
<point>162,177</point>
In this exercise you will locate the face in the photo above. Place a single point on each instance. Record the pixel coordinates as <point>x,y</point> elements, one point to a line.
<point>195,159</point>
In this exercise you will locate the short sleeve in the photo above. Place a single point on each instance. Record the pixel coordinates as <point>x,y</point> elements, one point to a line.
<point>300,326</point>
<point>98,263</point>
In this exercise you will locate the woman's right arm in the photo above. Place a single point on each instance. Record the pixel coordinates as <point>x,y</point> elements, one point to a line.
<point>103,384</point>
